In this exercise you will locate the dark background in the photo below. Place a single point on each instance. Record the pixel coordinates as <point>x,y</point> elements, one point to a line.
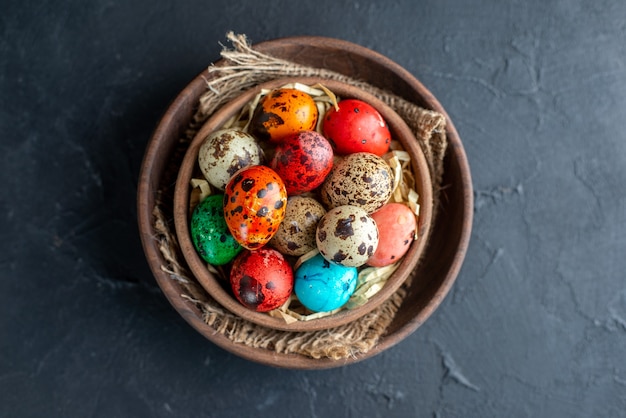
<point>535,325</point>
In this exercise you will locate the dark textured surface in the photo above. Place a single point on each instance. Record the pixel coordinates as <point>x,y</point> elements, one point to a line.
<point>534,326</point>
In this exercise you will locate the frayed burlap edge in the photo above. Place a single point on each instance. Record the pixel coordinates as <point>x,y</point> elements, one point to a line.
<point>245,68</point>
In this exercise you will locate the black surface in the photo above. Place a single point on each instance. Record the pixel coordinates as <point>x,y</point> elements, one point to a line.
<point>536,323</point>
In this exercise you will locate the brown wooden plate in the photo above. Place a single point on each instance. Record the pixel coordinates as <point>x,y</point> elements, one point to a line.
<point>450,232</point>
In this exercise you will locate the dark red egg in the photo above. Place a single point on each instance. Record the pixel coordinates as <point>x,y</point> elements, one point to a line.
<point>303,160</point>
<point>356,126</point>
<point>262,280</point>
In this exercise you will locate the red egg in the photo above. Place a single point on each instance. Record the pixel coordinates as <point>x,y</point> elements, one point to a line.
<point>303,160</point>
<point>356,127</point>
<point>397,227</point>
<point>254,205</point>
<point>261,280</point>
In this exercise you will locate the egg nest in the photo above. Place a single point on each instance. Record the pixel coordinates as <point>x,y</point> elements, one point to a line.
<point>370,280</point>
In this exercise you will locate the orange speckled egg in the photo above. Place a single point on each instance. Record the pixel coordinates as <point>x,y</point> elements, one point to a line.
<point>254,205</point>
<point>282,112</point>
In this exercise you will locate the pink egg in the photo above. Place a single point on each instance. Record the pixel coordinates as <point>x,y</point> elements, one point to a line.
<point>397,227</point>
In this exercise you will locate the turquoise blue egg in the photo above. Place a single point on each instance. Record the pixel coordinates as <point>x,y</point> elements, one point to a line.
<point>210,234</point>
<point>322,286</point>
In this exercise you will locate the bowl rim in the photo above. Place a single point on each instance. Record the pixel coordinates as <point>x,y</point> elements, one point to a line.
<point>158,151</point>
<point>214,286</point>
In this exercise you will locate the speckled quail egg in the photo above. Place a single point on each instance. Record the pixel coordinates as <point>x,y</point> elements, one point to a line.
<point>282,112</point>
<point>347,235</point>
<point>224,152</point>
<point>296,234</point>
<point>360,179</point>
<point>254,205</point>
<point>262,280</point>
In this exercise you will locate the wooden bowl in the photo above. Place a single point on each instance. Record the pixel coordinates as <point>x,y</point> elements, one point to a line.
<point>450,232</point>
<point>219,289</point>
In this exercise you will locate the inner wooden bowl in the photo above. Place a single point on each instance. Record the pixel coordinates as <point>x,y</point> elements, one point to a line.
<point>219,288</point>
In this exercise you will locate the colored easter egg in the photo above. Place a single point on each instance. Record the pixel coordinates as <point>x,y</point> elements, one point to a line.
<point>254,205</point>
<point>282,112</point>
<point>302,160</point>
<point>397,227</point>
<point>262,279</point>
<point>322,286</point>
<point>210,234</point>
<point>356,126</point>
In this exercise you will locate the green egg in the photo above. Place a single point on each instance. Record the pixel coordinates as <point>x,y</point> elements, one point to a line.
<point>210,234</point>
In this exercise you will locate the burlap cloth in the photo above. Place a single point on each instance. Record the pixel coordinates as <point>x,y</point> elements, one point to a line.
<point>245,68</point>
